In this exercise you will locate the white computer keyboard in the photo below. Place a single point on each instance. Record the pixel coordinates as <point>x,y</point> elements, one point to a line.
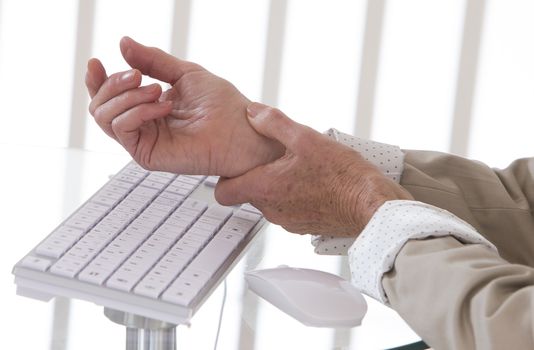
<point>149,243</point>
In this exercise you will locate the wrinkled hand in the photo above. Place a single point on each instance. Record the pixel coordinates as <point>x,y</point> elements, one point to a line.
<point>319,186</point>
<point>198,126</point>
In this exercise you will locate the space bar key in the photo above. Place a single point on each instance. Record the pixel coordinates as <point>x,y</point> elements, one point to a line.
<point>213,255</point>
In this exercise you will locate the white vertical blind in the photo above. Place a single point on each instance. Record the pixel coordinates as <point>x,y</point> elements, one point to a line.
<point>417,73</point>
<point>228,38</point>
<point>321,62</point>
<point>36,60</point>
<point>504,101</point>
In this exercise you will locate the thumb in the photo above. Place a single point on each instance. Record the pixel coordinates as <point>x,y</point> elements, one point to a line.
<point>274,124</point>
<point>154,62</point>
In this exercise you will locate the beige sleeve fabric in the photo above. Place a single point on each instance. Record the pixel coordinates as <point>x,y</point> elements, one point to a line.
<point>460,296</point>
<point>498,203</point>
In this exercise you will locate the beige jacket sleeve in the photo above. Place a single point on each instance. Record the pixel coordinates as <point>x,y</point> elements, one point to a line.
<point>465,296</point>
<point>498,203</point>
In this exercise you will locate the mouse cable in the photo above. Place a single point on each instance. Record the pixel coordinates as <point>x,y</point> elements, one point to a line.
<point>220,317</point>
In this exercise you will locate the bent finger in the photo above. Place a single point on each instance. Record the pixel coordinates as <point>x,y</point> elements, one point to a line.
<point>134,118</point>
<point>95,76</point>
<point>118,105</point>
<point>116,84</point>
<point>127,126</point>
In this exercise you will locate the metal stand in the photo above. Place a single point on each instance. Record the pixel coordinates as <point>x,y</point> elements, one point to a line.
<point>144,333</point>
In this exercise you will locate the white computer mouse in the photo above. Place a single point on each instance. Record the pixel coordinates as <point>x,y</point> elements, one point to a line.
<point>315,298</point>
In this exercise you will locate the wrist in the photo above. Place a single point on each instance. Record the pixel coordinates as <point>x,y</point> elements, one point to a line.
<point>371,194</point>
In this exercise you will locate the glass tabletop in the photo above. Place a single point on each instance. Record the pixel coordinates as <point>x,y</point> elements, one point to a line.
<point>42,186</point>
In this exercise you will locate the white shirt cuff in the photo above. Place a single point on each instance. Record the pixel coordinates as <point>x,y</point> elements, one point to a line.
<point>374,252</point>
<point>387,158</point>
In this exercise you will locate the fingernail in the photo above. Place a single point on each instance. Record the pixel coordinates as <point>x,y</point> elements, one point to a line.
<point>152,88</point>
<point>128,75</point>
<point>254,109</point>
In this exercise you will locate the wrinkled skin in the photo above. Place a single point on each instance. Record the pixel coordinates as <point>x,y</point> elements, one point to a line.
<point>319,186</point>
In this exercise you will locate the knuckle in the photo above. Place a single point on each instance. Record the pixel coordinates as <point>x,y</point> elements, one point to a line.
<point>92,107</point>
<point>114,79</point>
<point>275,114</point>
<point>116,124</point>
<point>98,114</point>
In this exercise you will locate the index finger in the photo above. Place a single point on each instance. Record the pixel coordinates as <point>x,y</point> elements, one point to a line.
<point>241,189</point>
<point>95,76</point>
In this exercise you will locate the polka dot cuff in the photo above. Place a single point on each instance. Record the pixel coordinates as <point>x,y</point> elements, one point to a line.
<point>389,159</point>
<point>394,223</point>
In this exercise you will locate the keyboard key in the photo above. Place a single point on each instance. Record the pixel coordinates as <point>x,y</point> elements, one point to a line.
<point>185,186</point>
<point>125,186</point>
<point>194,205</point>
<point>171,195</point>
<point>145,192</point>
<point>189,243</point>
<point>35,263</point>
<point>213,255</point>
<point>202,226</point>
<point>112,192</point>
<point>238,225</point>
<point>187,251</point>
<point>164,175</point>
<point>170,266</point>
<point>134,166</point>
<point>248,215</point>
<point>67,233</point>
<point>170,202</point>
<point>80,222</point>
<point>151,286</point>
<point>211,181</point>
<point>153,183</point>
<point>234,238</point>
<point>94,274</point>
<point>129,178</point>
<point>188,180</point>
<point>134,172</point>
<point>54,247</point>
<point>104,200</point>
<point>182,291</point>
<point>170,232</point>
<point>249,207</point>
<point>202,240</point>
<point>199,277</point>
<point>218,212</point>
<point>123,281</point>
<point>66,267</point>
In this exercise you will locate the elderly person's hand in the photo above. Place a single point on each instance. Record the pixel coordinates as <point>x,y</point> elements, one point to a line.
<point>197,126</point>
<point>319,186</point>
